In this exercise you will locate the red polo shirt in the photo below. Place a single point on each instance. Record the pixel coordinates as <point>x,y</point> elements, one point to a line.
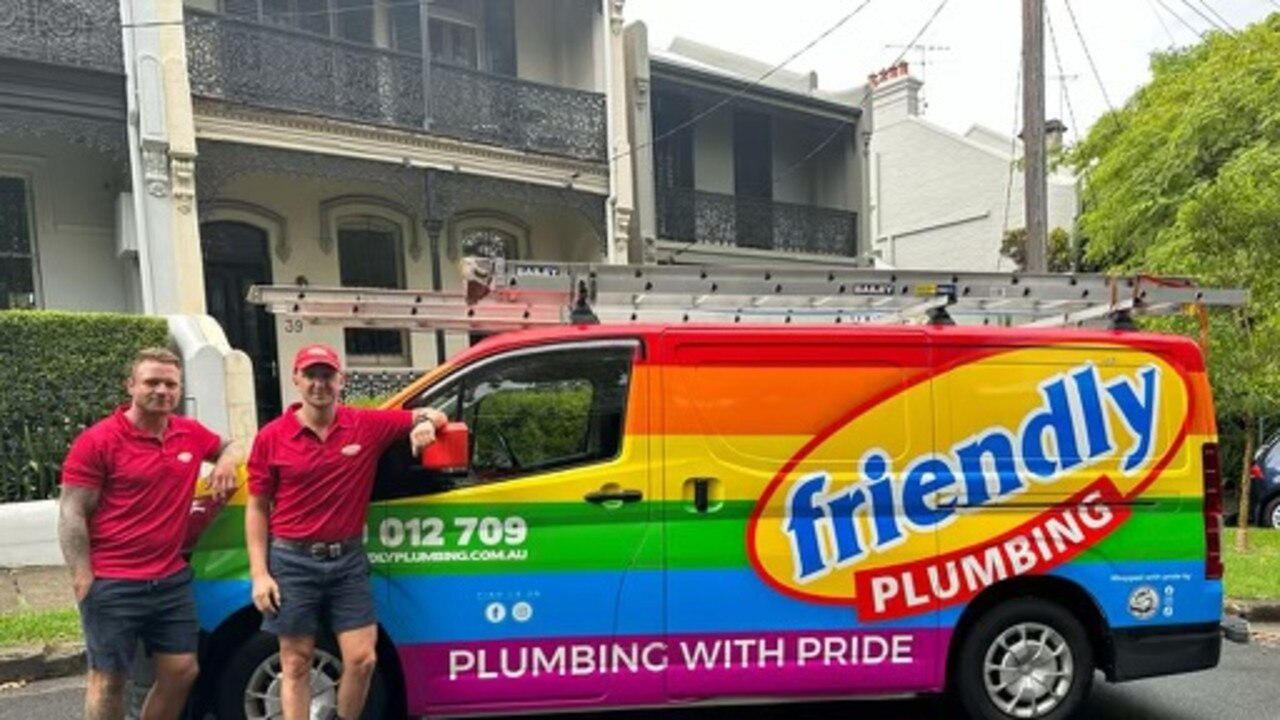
<point>321,488</point>
<point>145,487</point>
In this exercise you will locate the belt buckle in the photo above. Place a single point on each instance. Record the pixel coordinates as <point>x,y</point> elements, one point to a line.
<point>318,551</point>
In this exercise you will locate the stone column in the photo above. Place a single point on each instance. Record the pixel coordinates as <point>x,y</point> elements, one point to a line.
<point>622,201</point>
<point>162,157</point>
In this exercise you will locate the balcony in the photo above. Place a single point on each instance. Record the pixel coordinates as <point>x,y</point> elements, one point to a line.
<point>75,33</point>
<point>251,63</point>
<point>734,221</point>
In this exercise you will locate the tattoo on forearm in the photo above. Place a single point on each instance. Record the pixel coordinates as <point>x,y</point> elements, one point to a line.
<point>74,509</point>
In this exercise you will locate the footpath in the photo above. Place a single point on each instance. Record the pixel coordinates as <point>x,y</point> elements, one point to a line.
<point>34,589</point>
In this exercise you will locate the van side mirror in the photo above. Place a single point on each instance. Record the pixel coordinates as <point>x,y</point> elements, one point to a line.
<point>450,453</point>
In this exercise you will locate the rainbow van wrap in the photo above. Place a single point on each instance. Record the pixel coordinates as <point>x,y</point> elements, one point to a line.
<point>858,496</point>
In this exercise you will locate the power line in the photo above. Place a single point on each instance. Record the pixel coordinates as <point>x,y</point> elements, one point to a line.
<point>1204,17</point>
<point>744,89</point>
<point>1066,94</point>
<point>1172,41</point>
<point>1089,56</point>
<point>865,96</point>
<point>1185,24</point>
<point>1013,150</point>
<point>1221,19</point>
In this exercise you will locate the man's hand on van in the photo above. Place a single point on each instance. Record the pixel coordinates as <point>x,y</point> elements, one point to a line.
<point>266,594</point>
<point>430,415</point>
<point>421,436</point>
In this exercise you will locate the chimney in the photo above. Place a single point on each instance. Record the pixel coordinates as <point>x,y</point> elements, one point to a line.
<point>895,95</point>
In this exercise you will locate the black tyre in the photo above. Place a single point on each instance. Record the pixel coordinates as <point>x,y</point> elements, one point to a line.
<point>1025,659</point>
<point>1271,514</point>
<point>249,688</point>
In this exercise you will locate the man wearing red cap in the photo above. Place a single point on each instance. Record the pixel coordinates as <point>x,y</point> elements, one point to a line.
<point>310,476</point>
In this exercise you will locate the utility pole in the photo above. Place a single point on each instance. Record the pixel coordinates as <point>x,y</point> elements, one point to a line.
<point>1033,140</point>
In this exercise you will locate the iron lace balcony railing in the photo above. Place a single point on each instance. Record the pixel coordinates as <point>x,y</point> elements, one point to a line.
<point>75,33</point>
<point>735,221</point>
<point>262,65</point>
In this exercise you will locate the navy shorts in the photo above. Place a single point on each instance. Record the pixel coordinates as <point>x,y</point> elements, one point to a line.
<point>332,594</point>
<point>115,614</point>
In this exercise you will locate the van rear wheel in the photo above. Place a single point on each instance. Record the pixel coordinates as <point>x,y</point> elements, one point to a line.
<point>1025,659</point>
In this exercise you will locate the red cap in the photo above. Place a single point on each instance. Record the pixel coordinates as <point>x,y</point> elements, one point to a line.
<point>318,354</point>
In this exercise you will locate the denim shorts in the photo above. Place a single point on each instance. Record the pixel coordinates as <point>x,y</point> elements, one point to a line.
<point>315,594</point>
<point>115,614</point>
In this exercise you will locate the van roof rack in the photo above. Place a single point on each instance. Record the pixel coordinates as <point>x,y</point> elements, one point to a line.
<point>504,295</point>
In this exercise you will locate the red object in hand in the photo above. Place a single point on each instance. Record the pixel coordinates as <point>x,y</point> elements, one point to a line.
<point>450,450</point>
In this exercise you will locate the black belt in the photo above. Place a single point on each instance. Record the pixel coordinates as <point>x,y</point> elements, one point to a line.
<point>320,549</point>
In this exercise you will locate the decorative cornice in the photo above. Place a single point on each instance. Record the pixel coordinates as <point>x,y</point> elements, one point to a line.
<point>230,123</point>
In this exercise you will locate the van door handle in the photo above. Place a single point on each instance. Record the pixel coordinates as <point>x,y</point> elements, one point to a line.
<point>699,491</point>
<point>701,494</point>
<point>599,497</point>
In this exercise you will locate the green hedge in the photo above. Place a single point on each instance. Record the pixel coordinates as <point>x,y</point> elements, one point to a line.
<point>59,372</point>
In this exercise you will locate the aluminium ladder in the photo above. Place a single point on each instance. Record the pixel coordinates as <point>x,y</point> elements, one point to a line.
<point>505,295</point>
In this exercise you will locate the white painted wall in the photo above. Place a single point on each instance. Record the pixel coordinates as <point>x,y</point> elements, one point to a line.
<point>942,198</point>
<point>73,192</point>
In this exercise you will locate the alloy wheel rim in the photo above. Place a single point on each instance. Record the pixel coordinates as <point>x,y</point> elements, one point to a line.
<point>262,693</point>
<point>1028,670</point>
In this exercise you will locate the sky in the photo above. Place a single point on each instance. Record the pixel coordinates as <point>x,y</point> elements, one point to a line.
<point>976,79</point>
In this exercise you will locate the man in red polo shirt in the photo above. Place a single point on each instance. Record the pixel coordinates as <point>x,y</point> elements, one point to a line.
<point>127,485</point>
<point>311,472</point>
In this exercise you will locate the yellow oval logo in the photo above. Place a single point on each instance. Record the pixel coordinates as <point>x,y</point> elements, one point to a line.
<point>1012,464</point>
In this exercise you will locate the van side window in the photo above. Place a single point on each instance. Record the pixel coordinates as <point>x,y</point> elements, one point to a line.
<point>546,411</point>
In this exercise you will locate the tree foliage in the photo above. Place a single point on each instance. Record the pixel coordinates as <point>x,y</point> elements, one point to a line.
<point>1060,256</point>
<point>1185,179</point>
<point>1204,108</point>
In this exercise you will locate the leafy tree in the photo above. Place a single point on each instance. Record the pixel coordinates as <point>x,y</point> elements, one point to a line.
<point>1185,179</point>
<point>1059,253</point>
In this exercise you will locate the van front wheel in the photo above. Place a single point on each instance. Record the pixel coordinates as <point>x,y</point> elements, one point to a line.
<point>250,685</point>
<point>1026,659</point>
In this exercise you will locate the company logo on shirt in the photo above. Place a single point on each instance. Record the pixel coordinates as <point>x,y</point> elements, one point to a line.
<point>351,450</point>
<point>185,457</point>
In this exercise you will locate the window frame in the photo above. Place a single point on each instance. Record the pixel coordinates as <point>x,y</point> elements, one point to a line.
<point>445,17</point>
<point>358,214</point>
<point>28,180</point>
<point>454,384</point>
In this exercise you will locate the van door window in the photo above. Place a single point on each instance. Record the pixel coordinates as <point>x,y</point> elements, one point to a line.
<point>529,413</point>
<point>546,411</point>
